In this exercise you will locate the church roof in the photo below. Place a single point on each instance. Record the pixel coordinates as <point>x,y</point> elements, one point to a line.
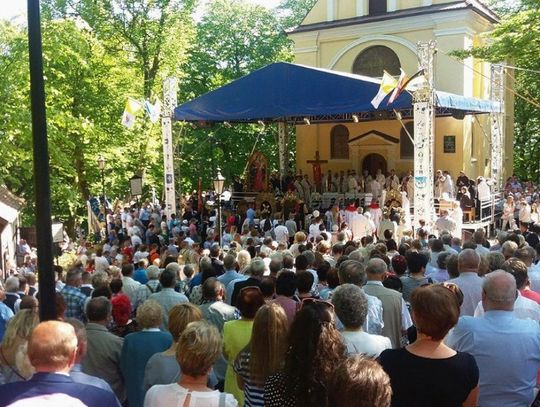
<point>474,5</point>
<point>294,93</point>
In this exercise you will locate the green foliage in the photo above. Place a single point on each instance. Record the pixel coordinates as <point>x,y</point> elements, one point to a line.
<point>96,54</point>
<point>517,41</point>
<point>294,11</point>
<point>233,39</point>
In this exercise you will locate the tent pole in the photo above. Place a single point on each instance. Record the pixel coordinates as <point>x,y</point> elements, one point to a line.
<point>170,88</point>
<point>283,150</point>
<point>497,125</point>
<point>424,131</point>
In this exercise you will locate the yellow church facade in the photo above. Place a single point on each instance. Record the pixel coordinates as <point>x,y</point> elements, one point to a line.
<point>368,36</point>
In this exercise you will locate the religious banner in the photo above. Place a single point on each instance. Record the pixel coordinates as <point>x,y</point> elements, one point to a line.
<point>257,172</point>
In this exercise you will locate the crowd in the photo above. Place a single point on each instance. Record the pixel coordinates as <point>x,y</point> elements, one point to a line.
<point>283,313</point>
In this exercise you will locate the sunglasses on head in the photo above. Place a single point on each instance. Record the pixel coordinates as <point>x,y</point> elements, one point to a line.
<point>316,301</point>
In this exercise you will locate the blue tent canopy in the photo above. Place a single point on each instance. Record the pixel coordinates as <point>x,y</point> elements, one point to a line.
<point>284,91</point>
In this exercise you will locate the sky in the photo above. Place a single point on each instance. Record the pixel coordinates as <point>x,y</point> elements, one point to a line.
<point>15,8</point>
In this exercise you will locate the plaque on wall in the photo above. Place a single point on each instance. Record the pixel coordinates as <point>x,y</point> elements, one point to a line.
<point>449,144</point>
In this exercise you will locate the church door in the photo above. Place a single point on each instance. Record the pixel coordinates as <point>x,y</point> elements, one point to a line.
<point>373,162</point>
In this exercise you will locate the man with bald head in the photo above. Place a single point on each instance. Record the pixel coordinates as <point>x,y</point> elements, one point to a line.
<point>468,281</point>
<point>506,349</point>
<point>52,351</point>
<point>396,316</point>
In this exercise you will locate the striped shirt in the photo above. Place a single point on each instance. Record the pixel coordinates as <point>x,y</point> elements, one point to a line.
<point>254,395</point>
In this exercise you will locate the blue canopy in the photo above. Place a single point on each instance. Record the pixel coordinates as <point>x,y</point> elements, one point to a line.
<point>284,91</point>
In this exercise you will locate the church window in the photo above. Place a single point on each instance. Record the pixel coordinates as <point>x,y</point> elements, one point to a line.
<point>377,7</point>
<point>406,147</point>
<point>339,143</point>
<point>374,60</point>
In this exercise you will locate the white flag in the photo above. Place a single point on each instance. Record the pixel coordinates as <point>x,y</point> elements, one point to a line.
<point>388,84</point>
<point>130,112</point>
<point>153,110</point>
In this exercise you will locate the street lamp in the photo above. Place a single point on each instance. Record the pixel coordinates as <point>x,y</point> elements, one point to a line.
<point>101,165</point>
<point>219,182</point>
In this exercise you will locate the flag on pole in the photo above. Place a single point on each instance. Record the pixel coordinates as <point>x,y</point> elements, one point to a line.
<point>153,110</point>
<point>415,82</point>
<point>130,112</point>
<point>388,83</point>
<point>399,88</point>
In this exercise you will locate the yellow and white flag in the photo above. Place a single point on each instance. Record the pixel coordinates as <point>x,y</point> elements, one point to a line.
<point>132,107</point>
<point>388,84</point>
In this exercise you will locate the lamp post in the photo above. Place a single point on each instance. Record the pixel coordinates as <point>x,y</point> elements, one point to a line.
<point>47,299</point>
<point>101,165</point>
<point>219,182</point>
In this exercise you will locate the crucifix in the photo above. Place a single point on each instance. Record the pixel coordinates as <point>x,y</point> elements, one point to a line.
<point>317,172</point>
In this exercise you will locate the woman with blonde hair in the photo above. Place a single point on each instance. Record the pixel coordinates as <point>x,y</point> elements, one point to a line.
<point>139,347</point>
<point>300,238</point>
<point>264,355</point>
<point>162,368</point>
<point>13,346</point>
<point>244,260</point>
<point>199,346</point>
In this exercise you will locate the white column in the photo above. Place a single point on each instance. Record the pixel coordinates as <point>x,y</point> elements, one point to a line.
<point>424,136</point>
<point>497,126</point>
<point>282,149</point>
<point>170,87</point>
<point>360,8</point>
<point>330,10</point>
<point>391,5</point>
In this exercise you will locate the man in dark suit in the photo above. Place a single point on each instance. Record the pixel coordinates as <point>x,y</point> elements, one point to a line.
<point>52,351</point>
<point>256,270</point>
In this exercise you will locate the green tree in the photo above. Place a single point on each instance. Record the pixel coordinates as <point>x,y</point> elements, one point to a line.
<point>85,94</point>
<point>517,40</point>
<point>234,38</point>
<point>293,12</point>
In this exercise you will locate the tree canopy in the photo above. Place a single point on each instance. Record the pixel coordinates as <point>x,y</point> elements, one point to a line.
<point>96,55</point>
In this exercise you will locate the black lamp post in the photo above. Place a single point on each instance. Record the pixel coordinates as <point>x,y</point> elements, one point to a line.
<point>219,183</point>
<point>47,300</point>
<point>101,165</point>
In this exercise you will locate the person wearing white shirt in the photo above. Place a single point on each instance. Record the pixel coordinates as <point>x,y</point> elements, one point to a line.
<point>359,225</point>
<point>100,262</point>
<point>281,232</point>
<point>129,285</point>
<point>524,213</point>
<point>351,306</point>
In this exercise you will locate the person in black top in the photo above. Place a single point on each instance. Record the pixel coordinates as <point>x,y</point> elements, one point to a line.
<point>428,373</point>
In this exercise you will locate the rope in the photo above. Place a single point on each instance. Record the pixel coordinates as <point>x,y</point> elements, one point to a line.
<point>531,100</point>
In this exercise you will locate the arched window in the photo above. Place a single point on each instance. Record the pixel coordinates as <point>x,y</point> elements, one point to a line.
<point>339,142</point>
<point>374,60</point>
<point>406,147</point>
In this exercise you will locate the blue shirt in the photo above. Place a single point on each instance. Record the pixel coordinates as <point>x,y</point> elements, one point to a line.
<point>78,376</point>
<point>5,315</point>
<point>229,276</point>
<point>507,351</point>
<point>140,276</point>
<point>75,301</point>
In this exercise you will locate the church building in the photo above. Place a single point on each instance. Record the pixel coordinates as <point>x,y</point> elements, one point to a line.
<point>366,37</point>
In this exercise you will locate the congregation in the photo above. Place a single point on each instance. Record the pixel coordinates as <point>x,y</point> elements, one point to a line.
<point>283,313</point>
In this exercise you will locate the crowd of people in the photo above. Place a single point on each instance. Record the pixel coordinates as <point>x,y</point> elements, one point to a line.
<point>282,313</point>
